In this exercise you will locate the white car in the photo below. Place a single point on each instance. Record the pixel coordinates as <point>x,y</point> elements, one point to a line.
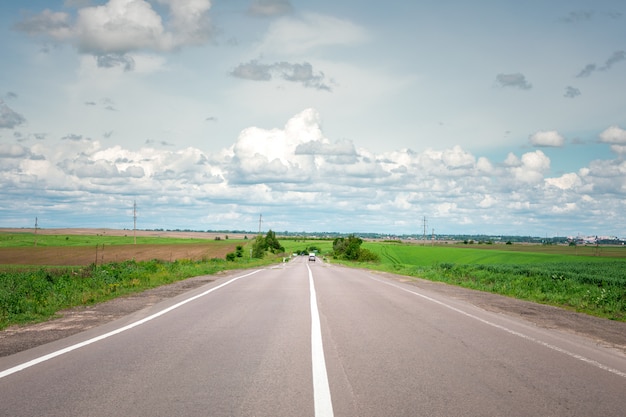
<point>312,257</point>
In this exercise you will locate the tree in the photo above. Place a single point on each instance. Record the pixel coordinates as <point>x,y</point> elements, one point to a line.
<point>351,250</point>
<point>272,243</point>
<point>262,244</point>
<point>258,247</point>
<point>347,248</point>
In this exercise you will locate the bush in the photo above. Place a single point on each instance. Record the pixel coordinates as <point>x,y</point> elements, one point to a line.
<point>350,249</point>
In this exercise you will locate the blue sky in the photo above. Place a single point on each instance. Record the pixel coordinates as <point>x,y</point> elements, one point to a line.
<point>495,117</point>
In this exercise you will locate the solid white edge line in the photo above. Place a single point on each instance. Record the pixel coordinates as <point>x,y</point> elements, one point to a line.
<point>510,331</point>
<point>60,352</point>
<point>321,390</point>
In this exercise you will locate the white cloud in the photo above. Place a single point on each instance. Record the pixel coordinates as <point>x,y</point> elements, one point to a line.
<point>297,35</point>
<point>487,201</point>
<point>613,135</point>
<point>122,26</point>
<point>296,169</point>
<point>531,168</point>
<point>565,208</point>
<point>458,158</point>
<point>8,150</point>
<point>550,138</point>
<point>565,182</point>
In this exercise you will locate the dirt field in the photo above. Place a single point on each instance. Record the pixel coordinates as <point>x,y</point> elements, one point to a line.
<point>63,256</point>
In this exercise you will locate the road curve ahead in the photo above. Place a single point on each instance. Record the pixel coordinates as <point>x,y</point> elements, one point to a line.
<point>313,339</point>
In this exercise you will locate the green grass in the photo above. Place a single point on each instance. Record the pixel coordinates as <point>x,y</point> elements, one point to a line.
<point>393,253</point>
<point>590,280</point>
<point>32,294</point>
<point>28,240</point>
<point>324,246</point>
<point>592,284</point>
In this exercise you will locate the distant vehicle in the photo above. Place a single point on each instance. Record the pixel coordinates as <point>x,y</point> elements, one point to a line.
<point>312,257</point>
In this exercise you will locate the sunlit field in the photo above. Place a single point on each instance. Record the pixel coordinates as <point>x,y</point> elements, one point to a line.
<point>588,279</point>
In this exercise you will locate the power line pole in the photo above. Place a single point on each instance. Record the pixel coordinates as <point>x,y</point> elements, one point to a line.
<point>424,223</point>
<point>35,231</point>
<point>260,221</point>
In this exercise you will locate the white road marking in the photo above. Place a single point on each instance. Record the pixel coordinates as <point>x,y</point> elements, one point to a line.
<point>52,355</point>
<point>510,331</point>
<point>321,390</point>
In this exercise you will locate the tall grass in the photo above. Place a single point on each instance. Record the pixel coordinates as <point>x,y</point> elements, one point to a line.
<point>31,296</point>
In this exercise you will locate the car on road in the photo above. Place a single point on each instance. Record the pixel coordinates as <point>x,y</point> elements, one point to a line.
<point>312,257</point>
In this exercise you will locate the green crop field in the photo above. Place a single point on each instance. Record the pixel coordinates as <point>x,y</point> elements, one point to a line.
<point>587,279</point>
<point>559,276</point>
<point>409,254</point>
<point>16,240</point>
<point>321,246</point>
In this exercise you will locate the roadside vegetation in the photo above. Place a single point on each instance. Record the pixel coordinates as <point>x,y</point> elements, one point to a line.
<point>587,279</point>
<point>35,293</point>
<point>590,280</point>
<point>594,285</point>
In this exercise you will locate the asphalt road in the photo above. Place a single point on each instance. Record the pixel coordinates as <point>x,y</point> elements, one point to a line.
<point>312,339</point>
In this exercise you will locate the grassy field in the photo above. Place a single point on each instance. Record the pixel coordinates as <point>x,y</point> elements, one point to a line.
<point>31,293</point>
<point>27,240</point>
<point>585,279</point>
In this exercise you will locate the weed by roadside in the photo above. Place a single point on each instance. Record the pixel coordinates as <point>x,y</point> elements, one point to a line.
<point>36,295</point>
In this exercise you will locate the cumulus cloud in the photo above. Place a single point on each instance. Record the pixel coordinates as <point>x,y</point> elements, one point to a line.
<point>12,151</point>
<point>613,135</point>
<point>530,169</point>
<point>549,138</point>
<point>565,182</point>
<point>118,27</point>
<point>516,80</point>
<point>294,72</point>
<point>266,8</point>
<point>322,147</point>
<point>296,169</point>
<point>616,137</point>
<point>9,118</point>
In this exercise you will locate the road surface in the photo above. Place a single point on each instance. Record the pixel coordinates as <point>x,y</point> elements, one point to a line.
<point>313,339</point>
